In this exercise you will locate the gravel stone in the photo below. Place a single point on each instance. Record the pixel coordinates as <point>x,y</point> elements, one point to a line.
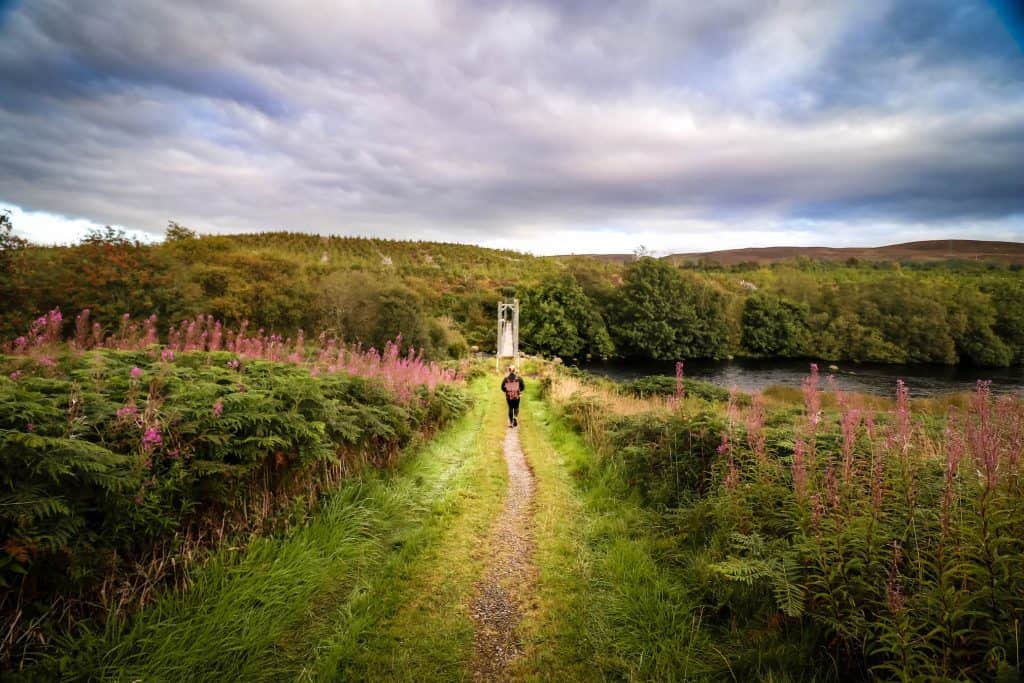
<point>509,579</point>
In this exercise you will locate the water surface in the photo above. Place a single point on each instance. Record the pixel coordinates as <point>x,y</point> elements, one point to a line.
<point>871,378</point>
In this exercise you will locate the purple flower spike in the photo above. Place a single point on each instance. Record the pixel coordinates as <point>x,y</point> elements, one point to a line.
<point>152,437</point>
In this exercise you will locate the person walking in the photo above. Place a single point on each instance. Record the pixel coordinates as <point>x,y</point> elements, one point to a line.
<point>513,386</point>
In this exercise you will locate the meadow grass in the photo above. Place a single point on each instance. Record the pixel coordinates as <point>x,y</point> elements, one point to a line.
<point>417,626</point>
<point>304,605</point>
<point>606,609</point>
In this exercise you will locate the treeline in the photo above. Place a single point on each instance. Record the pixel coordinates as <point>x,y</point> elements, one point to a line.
<point>441,298</point>
<point>855,314</point>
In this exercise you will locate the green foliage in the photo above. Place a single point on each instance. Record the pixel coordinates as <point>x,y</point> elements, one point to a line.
<point>897,557</point>
<point>666,459</point>
<point>442,297</point>
<point>774,327</point>
<point>311,601</point>
<point>663,385</point>
<point>559,320</point>
<point>98,466</point>
<point>660,313</point>
<point>1008,300</point>
<point>363,309</point>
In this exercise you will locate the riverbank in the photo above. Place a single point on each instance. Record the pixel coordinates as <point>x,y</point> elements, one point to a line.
<point>751,375</point>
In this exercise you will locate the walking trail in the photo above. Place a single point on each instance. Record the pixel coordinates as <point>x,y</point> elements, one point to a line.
<point>509,579</point>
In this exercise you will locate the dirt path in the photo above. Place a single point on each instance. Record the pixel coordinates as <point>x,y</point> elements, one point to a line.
<point>510,576</point>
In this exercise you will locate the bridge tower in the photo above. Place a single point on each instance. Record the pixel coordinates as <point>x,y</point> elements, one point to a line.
<point>508,333</point>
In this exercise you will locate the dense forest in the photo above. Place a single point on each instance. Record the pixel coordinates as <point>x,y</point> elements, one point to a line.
<point>441,298</point>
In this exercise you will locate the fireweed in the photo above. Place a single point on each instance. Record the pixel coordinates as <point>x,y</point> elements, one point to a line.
<point>402,373</point>
<point>121,451</point>
<point>864,543</point>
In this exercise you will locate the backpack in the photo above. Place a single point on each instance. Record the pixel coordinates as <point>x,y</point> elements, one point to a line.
<point>512,389</point>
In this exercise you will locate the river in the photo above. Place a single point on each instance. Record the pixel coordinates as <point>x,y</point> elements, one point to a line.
<point>873,378</point>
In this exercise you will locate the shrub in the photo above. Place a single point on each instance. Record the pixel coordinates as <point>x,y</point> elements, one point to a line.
<point>107,457</point>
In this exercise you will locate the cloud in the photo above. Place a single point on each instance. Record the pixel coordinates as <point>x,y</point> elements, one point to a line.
<point>480,122</point>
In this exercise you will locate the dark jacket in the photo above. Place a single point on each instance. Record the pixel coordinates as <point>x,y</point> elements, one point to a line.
<point>514,378</point>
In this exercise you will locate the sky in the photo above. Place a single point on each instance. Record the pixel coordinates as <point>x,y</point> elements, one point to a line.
<point>571,126</point>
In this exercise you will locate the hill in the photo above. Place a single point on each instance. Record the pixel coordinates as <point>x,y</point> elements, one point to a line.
<point>929,250</point>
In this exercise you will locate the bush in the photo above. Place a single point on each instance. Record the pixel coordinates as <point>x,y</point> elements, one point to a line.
<point>663,385</point>
<point>106,455</point>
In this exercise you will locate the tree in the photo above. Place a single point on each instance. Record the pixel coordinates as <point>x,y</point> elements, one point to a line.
<point>9,242</point>
<point>360,308</point>
<point>1008,299</point>
<point>774,327</point>
<point>177,232</point>
<point>558,319</point>
<point>661,314</point>
<point>973,317</point>
<point>908,317</point>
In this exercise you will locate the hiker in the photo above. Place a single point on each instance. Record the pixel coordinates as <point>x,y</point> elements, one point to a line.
<point>513,386</point>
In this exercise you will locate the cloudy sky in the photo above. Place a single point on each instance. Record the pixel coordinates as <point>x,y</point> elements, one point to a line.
<point>551,127</point>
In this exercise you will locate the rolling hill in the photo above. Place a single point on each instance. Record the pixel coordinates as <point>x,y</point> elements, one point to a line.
<point>930,250</point>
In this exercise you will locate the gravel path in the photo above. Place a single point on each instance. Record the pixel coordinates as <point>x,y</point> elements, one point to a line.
<point>508,581</point>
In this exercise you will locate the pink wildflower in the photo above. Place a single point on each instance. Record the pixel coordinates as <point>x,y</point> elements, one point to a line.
<point>831,486</point>
<point>136,372</point>
<point>817,510</point>
<point>724,448</point>
<point>893,591</point>
<point>126,412</point>
<point>755,429</point>
<point>218,408</point>
<point>799,468</point>
<point>812,397</point>
<point>152,438</point>
<point>954,452</point>
<point>29,427</point>
<point>680,386</point>
<point>15,376</point>
<point>167,355</point>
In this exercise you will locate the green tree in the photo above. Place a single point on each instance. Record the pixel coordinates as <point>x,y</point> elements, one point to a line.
<point>1008,299</point>
<point>973,317</point>
<point>774,327</point>
<point>360,308</point>
<point>661,314</point>
<point>176,232</point>
<point>558,319</point>
<point>907,316</point>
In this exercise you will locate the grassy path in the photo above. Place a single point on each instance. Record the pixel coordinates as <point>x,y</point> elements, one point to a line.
<point>605,608</point>
<point>381,584</point>
<point>372,588</point>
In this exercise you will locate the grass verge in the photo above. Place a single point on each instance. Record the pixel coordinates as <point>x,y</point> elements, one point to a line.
<point>606,608</point>
<point>314,604</point>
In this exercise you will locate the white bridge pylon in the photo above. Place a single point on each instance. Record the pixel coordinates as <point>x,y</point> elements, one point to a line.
<point>508,333</point>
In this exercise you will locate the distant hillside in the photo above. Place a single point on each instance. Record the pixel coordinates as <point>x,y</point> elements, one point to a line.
<point>931,250</point>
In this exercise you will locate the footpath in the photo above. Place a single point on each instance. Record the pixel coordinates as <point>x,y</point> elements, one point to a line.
<point>468,562</point>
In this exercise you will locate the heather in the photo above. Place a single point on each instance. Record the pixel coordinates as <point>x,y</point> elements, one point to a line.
<point>124,460</point>
<point>830,539</point>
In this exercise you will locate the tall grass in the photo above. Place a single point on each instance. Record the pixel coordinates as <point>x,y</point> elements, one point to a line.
<point>276,610</point>
<point>124,461</point>
<point>833,538</point>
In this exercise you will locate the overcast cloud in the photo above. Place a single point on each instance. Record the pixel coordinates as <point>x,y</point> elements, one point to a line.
<point>572,126</point>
